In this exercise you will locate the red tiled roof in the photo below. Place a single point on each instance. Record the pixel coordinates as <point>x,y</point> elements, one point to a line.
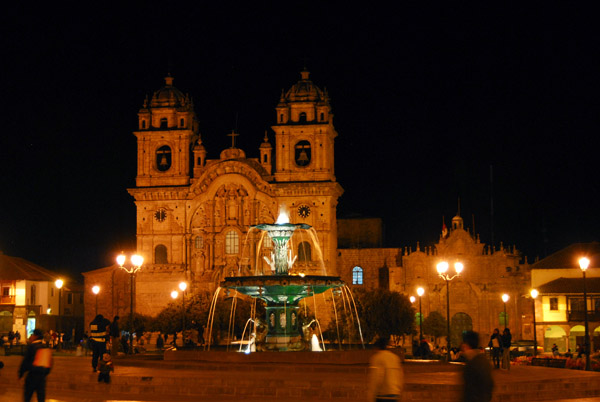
<point>569,256</point>
<point>16,269</point>
<point>571,286</point>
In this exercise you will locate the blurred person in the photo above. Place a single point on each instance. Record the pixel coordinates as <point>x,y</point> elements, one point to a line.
<point>105,366</point>
<point>477,375</point>
<point>506,342</point>
<point>385,374</point>
<point>496,345</point>
<point>37,363</point>
<point>99,330</point>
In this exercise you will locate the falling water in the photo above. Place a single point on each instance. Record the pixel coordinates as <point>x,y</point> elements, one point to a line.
<point>356,312</point>
<point>211,317</point>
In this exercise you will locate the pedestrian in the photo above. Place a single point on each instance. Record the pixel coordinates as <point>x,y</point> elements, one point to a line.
<point>496,345</point>
<point>555,350</point>
<point>115,335</point>
<point>105,366</point>
<point>17,338</point>
<point>11,337</point>
<point>385,374</point>
<point>99,329</point>
<point>37,363</point>
<point>506,342</point>
<point>477,375</point>
<point>160,342</point>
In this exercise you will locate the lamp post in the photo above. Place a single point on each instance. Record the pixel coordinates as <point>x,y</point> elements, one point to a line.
<point>420,292</point>
<point>96,290</point>
<point>534,294</point>
<point>136,265</point>
<point>59,284</point>
<point>182,287</point>
<point>442,269</point>
<point>505,298</point>
<point>584,263</point>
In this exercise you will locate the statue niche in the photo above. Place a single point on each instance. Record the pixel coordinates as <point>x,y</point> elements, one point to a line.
<point>230,202</point>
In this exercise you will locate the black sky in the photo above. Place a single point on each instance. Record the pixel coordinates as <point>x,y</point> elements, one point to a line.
<point>426,99</point>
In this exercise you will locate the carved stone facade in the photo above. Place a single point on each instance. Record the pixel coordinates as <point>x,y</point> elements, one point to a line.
<point>475,295</point>
<point>194,215</point>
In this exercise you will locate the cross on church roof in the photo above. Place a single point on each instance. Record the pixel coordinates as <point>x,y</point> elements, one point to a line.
<point>232,135</point>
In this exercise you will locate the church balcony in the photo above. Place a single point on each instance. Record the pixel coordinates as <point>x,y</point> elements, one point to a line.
<point>163,267</point>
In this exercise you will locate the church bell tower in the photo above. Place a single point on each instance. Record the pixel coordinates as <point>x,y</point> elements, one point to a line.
<point>167,128</point>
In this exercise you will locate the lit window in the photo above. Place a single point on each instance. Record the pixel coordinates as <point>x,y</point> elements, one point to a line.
<point>232,242</point>
<point>160,254</point>
<point>503,319</point>
<point>357,276</point>
<point>304,252</point>
<point>199,242</point>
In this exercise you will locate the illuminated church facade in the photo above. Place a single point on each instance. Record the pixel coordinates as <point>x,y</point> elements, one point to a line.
<point>194,214</point>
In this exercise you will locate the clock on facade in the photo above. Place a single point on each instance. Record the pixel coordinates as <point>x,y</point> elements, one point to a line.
<point>304,211</point>
<point>160,215</point>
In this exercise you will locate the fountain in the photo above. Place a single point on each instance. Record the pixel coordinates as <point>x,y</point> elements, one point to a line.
<point>281,291</point>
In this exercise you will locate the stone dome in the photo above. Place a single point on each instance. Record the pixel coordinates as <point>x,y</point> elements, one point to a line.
<point>169,96</point>
<point>305,91</point>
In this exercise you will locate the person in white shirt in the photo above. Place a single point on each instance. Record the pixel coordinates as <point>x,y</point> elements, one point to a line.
<point>385,374</point>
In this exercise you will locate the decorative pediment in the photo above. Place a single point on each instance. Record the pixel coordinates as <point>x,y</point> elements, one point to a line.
<point>230,167</point>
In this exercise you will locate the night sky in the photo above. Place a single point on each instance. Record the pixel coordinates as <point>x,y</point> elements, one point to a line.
<point>428,101</point>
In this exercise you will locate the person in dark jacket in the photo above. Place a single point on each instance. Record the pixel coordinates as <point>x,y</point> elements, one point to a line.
<point>477,375</point>
<point>99,330</point>
<point>37,363</point>
<point>506,342</point>
<point>496,347</point>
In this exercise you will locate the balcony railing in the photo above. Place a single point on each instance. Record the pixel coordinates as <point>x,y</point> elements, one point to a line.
<point>7,299</point>
<point>579,315</point>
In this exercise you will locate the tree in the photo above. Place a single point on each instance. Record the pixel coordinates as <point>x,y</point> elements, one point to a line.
<point>381,313</point>
<point>435,324</point>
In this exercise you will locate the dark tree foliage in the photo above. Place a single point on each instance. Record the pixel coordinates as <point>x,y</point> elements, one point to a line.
<point>435,324</point>
<point>381,312</point>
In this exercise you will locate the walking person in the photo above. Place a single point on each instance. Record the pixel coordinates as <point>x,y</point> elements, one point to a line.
<point>506,342</point>
<point>115,334</point>
<point>496,346</point>
<point>99,329</point>
<point>477,375</point>
<point>385,374</point>
<point>37,363</point>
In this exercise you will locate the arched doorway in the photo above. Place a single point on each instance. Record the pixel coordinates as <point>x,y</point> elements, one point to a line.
<point>576,337</point>
<point>6,321</point>
<point>555,334</point>
<point>459,324</point>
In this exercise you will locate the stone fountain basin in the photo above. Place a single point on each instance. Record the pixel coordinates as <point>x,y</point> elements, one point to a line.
<point>279,289</point>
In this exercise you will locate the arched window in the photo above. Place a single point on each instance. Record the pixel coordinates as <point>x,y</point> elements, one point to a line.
<point>164,123</point>
<point>357,276</point>
<point>302,117</point>
<point>143,123</point>
<point>160,254</point>
<point>163,158</point>
<point>199,242</point>
<point>322,116</point>
<point>304,252</point>
<point>181,122</point>
<point>232,242</point>
<point>281,118</point>
<point>303,153</point>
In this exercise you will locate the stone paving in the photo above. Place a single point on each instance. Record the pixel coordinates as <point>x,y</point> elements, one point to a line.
<point>156,380</point>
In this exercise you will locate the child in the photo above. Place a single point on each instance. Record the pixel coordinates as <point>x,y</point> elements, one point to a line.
<point>105,366</point>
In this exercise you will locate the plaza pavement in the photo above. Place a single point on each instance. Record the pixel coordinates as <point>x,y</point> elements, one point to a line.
<point>144,380</point>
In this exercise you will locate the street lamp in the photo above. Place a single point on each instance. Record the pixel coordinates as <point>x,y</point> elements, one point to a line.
<point>534,294</point>
<point>182,287</point>
<point>584,263</point>
<point>505,298</point>
<point>96,290</point>
<point>59,284</point>
<point>420,292</point>
<point>442,269</point>
<point>136,265</point>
